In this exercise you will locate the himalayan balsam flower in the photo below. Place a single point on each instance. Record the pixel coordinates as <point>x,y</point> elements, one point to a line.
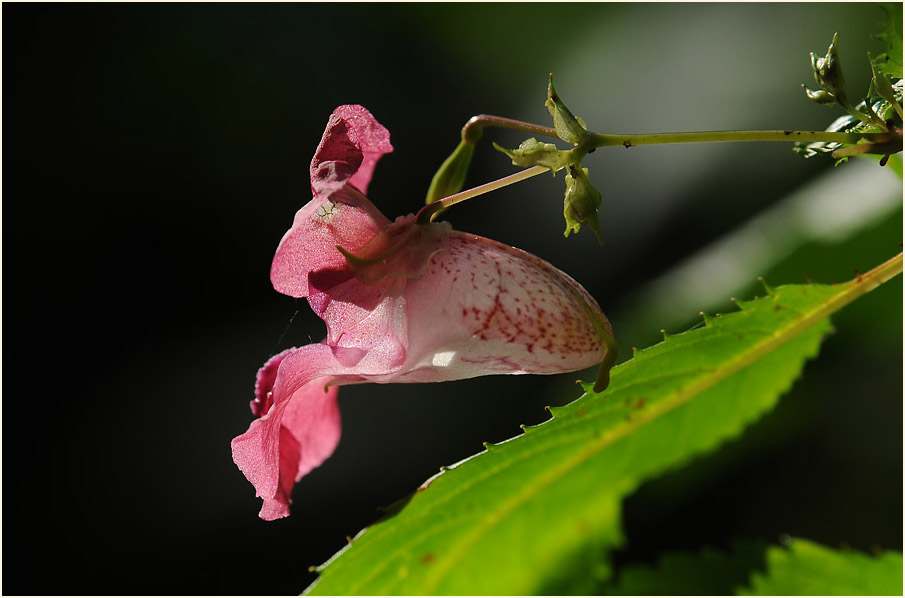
<point>403,302</point>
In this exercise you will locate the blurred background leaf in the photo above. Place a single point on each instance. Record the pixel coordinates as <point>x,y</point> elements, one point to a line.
<point>803,568</point>
<point>891,36</point>
<point>707,572</point>
<point>798,568</point>
<point>156,153</point>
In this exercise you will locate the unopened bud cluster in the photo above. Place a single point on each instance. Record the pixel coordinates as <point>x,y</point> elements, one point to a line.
<point>582,199</point>
<point>828,75</point>
<point>879,112</point>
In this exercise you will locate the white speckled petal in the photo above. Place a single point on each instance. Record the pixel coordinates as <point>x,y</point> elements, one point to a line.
<point>498,310</point>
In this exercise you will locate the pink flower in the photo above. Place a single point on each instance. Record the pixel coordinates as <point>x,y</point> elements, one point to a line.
<point>403,302</point>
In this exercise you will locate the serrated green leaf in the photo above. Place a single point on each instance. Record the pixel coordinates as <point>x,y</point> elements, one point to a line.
<point>891,60</point>
<point>511,520</point>
<point>800,568</point>
<point>808,569</point>
<point>708,572</point>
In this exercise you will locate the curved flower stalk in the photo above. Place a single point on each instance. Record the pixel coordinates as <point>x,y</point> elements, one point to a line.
<point>403,302</point>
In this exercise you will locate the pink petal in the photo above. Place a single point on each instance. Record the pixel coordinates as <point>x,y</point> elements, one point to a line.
<point>349,150</point>
<point>297,434</point>
<point>312,419</point>
<point>346,219</point>
<point>367,325</point>
<point>401,250</point>
<point>264,382</point>
<point>486,308</point>
<point>339,214</point>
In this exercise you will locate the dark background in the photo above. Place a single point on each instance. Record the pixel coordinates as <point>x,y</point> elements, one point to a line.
<point>155,154</point>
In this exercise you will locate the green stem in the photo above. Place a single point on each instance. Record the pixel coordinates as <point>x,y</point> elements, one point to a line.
<point>431,210</point>
<point>602,140</point>
<point>473,130</point>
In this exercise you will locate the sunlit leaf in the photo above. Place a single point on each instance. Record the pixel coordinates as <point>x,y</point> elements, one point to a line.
<point>540,511</point>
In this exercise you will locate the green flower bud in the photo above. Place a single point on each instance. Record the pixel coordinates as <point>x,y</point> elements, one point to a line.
<point>820,96</point>
<point>828,71</point>
<point>451,177</point>
<point>532,152</point>
<point>581,202</point>
<point>568,127</point>
<point>882,83</point>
